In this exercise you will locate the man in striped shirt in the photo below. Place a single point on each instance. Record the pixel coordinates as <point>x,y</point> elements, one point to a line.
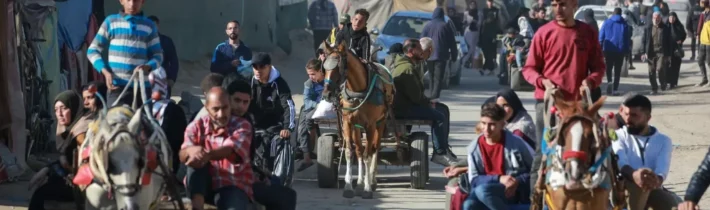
<point>132,43</point>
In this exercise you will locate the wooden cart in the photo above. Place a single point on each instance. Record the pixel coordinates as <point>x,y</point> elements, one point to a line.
<point>412,151</point>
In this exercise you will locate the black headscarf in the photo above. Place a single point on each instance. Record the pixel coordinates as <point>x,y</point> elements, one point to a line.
<point>513,101</point>
<point>72,100</point>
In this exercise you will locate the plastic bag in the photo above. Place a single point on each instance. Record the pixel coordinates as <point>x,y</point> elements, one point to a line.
<point>324,110</point>
<point>283,161</point>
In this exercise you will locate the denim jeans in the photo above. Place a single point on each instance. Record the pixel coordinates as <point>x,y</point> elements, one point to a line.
<point>199,182</point>
<point>519,58</point>
<point>492,196</point>
<point>440,123</point>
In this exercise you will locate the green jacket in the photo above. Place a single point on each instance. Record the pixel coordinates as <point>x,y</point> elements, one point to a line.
<point>408,81</point>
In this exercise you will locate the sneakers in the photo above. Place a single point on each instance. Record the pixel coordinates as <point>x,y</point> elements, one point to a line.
<point>445,159</point>
<point>615,93</point>
<point>701,84</point>
<point>608,89</point>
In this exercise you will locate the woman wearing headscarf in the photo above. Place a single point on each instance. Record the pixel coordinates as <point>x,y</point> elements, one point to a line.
<point>53,182</point>
<point>518,120</point>
<point>678,34</point>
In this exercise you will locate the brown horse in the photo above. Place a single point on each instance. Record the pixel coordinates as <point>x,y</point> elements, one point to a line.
<point>578,162</point>
<point>364,99</point>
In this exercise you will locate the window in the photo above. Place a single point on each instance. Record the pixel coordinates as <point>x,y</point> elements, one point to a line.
<point>410,27</point>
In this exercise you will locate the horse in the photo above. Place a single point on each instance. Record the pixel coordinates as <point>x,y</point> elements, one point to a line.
<point>364,99</point>
<point>579,162</point>
<point>128,157</point>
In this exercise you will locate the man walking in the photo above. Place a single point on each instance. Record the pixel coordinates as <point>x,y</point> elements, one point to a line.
<point>228,54</point>
<point>489,30</point>
<point>170,63</point>
<point>691,26</point>
<point>135,46</point>
<point>615,37</point>
<point>656,50</point>
<point>704,48</point>
<point>569,63</point>
<point>323,16</point>
<point>444,49</point>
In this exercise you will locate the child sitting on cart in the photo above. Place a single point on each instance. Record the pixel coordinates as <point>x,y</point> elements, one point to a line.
<point>514,47</point>
<point>312,94</point>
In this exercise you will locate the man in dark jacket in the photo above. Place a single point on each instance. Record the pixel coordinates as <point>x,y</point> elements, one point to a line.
<point>171,63</point>
<point>657,49</point>
<point>444,49</point>
<point>697,186</point>
<point>274,115</point>
<point>355,35</point>
<point>615,38</point>
<point>691,26</point>
<point>227,57</point>
<point>490,28</point>
<point>410,102</point>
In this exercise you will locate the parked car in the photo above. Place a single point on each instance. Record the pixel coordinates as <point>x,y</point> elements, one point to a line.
<point>404,25</point>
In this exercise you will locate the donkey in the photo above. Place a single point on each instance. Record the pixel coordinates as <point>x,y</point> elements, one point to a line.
<point>124,154</point>
<point>578,163</point>
<point>364,98</point>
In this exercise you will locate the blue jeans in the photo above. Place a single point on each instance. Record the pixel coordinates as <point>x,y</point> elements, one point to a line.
<point>439,115</point>
<point>519,58</point>
<point>199,182</point>
<point>492,196</point>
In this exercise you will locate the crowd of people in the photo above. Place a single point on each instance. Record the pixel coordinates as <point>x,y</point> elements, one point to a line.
<point>223,150</point>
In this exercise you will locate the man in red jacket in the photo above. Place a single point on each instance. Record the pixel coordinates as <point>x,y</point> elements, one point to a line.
<point>564,55</point>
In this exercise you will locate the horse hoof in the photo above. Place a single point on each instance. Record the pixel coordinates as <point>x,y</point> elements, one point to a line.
<point>348,194</point>
<point>366,195</point>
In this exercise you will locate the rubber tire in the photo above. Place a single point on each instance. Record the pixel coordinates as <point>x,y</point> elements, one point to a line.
<point>327,163</point>
<point>419,165</point>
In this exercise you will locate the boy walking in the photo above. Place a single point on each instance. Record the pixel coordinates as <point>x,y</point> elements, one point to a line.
<point>132,43</point>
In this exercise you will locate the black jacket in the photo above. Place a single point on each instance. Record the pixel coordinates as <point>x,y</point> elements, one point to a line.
<point>699,182</point>
<point>666,39</point>
<point>271,103</point>
<point>356,40</point>
<point>692,20</point>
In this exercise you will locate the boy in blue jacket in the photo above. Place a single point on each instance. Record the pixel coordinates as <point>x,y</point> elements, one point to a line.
<point>312,94</point>
<point>499,164</point>
<point>615,38</point>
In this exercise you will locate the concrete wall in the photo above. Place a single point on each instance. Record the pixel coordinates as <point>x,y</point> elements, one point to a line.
<point>197,27</point>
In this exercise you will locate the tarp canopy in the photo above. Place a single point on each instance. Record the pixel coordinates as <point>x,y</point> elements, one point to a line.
<point>73,22</point>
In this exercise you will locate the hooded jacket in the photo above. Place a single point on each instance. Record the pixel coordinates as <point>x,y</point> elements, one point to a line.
<point>408,80</point>
<point>589,19</point>
<point>615,35</point>
<point>442,36</point>
<point>272,104</point>
<point>356,40</point>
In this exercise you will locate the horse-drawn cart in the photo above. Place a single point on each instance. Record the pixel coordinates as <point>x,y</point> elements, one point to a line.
<point>412,150</point>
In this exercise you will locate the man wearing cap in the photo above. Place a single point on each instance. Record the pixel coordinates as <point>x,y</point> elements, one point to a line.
<point>272,106</point>
<point>344,20</point>
<point>323,16</point>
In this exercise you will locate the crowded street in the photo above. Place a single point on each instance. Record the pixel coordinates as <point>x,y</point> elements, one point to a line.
<point>454,105</point>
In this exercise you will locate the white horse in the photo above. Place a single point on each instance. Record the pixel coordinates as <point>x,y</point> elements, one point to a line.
<point>129,159</point>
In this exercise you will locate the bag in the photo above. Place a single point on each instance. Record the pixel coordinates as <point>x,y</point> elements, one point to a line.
<point>274,154</point>
<point>464,183</point>
<point>324,110</point>
<point>679,52</point>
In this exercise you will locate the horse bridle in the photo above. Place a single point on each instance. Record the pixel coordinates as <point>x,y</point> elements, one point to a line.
<point>578,155</point>
<point>132,188</point>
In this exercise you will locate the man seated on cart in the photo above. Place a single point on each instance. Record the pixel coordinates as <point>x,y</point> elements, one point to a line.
<point>410,102</point>
<point>266,192</point>
<point>515,47</point>
<point>273,110</point>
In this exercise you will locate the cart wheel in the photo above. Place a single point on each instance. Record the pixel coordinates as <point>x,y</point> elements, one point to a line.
<point>327,163</point>
<point>419,166</point>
